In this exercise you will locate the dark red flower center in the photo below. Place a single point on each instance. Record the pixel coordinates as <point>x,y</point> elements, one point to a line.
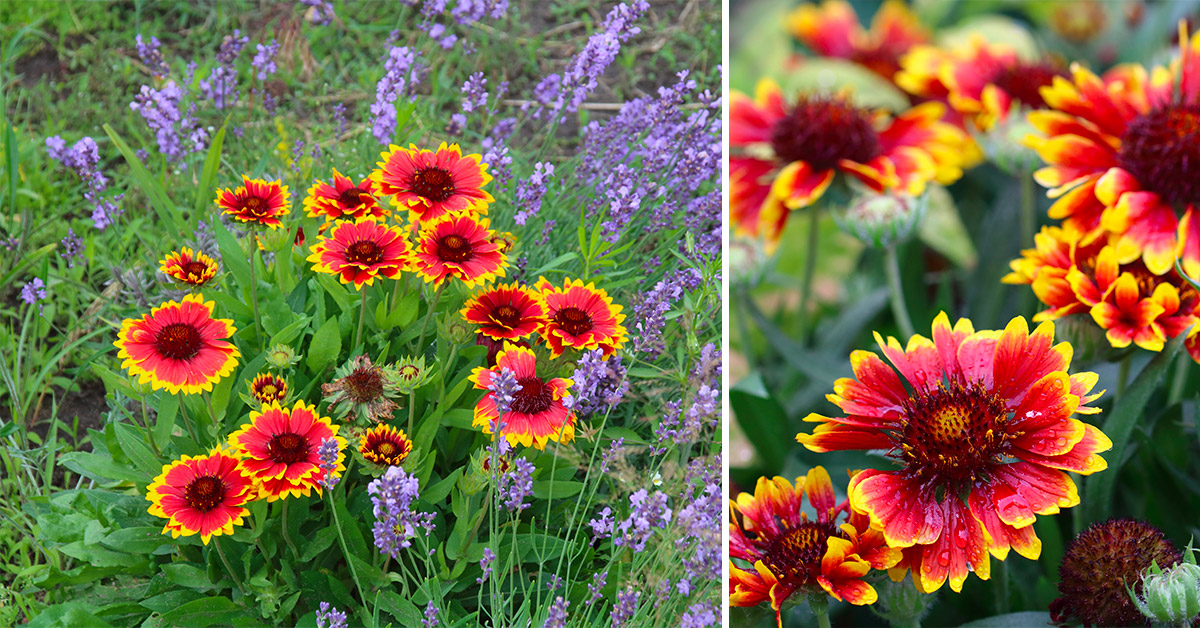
<point>256,207</point>
<point>1024,82</point>
<point>506,316</point>
<point>880,60</point>
<point>535,396</point>
<point>795,555</point>
<point>270,390</point>
<point>288,448</point>
<point>1161,149</point>
<point>954,434</point>
<point>204,493</point>
<point>365,384</point>
<point>573,320</point>
<point>195,269</point>
<point>385,448</point>
<point>822,131</point>
<point>352,197</point>
<point>454,248</point>
<point>434,184</point>
<point>178,341</point>
<point>365,252</point>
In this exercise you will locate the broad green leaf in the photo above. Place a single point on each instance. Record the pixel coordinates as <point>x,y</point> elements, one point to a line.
<point>943,230</point>
<point>325,346</point>
<point>133,442</point>
<point>154,191</point>
<point>101,467</point>
<point>206,192</point>
<point>1012,620</point>
<point>556,490</point>
<point>204,612</point>
<point>762,419</point>
<point>232,256</point>
<point>68,614</point>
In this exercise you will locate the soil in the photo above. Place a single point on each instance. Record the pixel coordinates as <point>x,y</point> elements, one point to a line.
<point>87,405</point>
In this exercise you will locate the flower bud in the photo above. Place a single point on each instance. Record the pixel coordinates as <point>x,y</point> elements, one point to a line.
<point>1171,596</point>
<point>281,356</point>
<point>881,220</point>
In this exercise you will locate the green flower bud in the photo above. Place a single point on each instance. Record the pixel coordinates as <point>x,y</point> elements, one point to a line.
<point>408,374</point>
<point>881,220</point>
<point>1005,144</point>
<point>1171,596</point>
<point>281,356</point>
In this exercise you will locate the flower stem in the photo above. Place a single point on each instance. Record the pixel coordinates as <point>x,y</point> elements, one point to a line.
<point>429,315</point>
<point>1001,589</point>
<point>212,415</point>
<point>1123,375</point>
<point>810,268</point>
<point>896,292</point>
<point>254,295</point>
<point>362,315</point>
<point>345,551</point>
<point>228,567</point>
<point>188,421</point>
<point>287,537</point>
<point>412,402</point>
<point>1179,382</point>
<point>819,604</point>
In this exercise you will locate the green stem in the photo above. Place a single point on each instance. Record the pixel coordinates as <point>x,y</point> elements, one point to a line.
<point>254,294</point>
<point>287,537</point>
<point>1001,589</point>
<point>228,566</point>
<point>149,434</point>
<point>1179,382</point>
<point>362,316</point>
<point>212,415</point>
<point>1123,375</point>
<point>412,403</point>
<point>188,421</point>
<point>896,292</point>
<point>429,315</point>
<point>819,604</point>
<point>810,268</point>
<point>345,551</point>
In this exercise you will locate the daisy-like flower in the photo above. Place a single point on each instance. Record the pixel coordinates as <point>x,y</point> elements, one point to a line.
<point>1123,157</point>
<point>981,425</point>
<point>359,251</point>
<point>786,553</point>
<point>790,154</point>
<point>580,316</point>
<point>256,201</point>
<point>987,83</point>
<point>834,30</point>
<point>268,388</point>
<point>506,312</point>
<point>537,414</point>
<point>458,246</point>
<point>431,184</point>
<point>280,449</point>
<point>201,495</point>
<point>385,445</point>
<point>189,267</point>
<point>178,346</point>
<point>361,387</point>
<point>344,199</point>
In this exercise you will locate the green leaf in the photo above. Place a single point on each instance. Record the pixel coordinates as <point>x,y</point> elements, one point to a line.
<point>438,492</point>
<point>169,600</point>
<point>206,191</point>
<point>164,423</point>
<point>133,443</point>
<point>400,608</point>
<point>1012,620</point>
<point>232,255</point>
<point>204,612</point>
<point>1128,408</point>
<point>68,614</point>
<point>188,575</point>
<point>155,193</point>
<point>319,543</point>
<point>137,540</point>
<point>101,467</point>
<point>762,419</point>
<point>943,230</point>
<point>325,346</point>
<point>561,489</point>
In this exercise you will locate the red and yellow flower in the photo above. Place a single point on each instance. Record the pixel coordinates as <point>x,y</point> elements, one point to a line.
<point>986,82</point>
<point>344,199</point>
<point>384,445</point>
<point>981,424</point>
<point>790,554</point>
<point>1123,157</point>
<point>431,184</point>
<point>256,201</point>
<point>792,153</point>
<point>537,414</point>
<point>178,346</point>
<point>189,267</point>
<point>279,449</point>
<point>580,316</point>
<point>506,312</point>
<point>268,388</point>
<point>359,251</point>
<point>834,30</point>
<point>459,246</point>
<point>201,495</point>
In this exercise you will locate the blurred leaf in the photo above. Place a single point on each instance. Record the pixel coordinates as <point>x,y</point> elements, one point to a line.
<point>154,191</point>
<point>992,28</point>
<point>942,229</point>
<point>1012,620</point>
<point>825,75</point>
<point>762,419</point>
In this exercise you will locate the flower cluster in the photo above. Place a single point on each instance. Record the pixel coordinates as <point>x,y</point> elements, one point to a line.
<point>396,522</point>
<point>84,158</point>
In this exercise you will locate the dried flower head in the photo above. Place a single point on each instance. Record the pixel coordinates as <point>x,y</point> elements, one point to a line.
<point>363,388</point>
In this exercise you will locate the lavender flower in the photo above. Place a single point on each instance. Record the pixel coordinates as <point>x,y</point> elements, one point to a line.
<point>221,84</point>
<point>600,384</point>
<point>72,247</point>
<point>328,453</point>
<point>602,525</point>
<point>395,520</point>
<point>320,12</point>
<point>504,387</point>
<point>84,158</point>
<point>516,486</point>
<point>650,313</point>
<point>160,109</point>
<point>431,615</point>
<point>615,449</point>
<point>546,229</point>
<point>596,587</point>
<point>339,118</point>
<point>701,615</point>
<point>625,608</point>
<point>151,57</point>
<point>34,292</point>
<point>336,618</point>
<point>567,92</point>
<point>485,564</point>
<point>297,156</point>
<point>555,582</point>
<point>402,72</point>
<point>264,59</point>
<point>557,616</point>
<point>530,192</point>
<point>646,513</point>
<point>474,93</point>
